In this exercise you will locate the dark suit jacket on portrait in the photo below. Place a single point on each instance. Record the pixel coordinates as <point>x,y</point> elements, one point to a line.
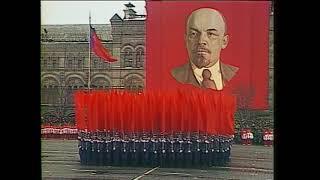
<point>184,74</point>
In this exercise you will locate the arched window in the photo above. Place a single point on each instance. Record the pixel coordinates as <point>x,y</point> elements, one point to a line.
<point>139,57</point>
<point>55,62</point>
<point>80,63</point>
<point>69,62</point>
<point>97,63</point>
<point>44,62</point>
<point>49,91</point>
<point>128,57</point>
<point>73,84</point>
<point>52,61</point>
<point>100,83</point>
<point>49,63</point>
<point>133,83</point>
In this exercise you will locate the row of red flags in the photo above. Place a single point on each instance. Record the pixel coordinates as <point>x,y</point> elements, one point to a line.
<point>203,111</point>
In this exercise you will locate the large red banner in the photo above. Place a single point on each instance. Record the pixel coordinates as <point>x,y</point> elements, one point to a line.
<point>247,25</point>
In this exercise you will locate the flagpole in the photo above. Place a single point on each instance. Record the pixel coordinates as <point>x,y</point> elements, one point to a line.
<point>89,79</point>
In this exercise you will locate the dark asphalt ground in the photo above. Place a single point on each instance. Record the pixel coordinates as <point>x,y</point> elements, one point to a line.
<point>60,160</point>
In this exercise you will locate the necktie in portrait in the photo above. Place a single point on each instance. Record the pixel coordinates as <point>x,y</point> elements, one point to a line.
<point>207,82</point>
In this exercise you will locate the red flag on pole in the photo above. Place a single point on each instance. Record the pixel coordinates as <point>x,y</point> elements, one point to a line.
<point>98,48</point>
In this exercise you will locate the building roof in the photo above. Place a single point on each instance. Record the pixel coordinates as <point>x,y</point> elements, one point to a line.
<point>129,5</point>
<point>137,19</point>
<point>74,32</point>
<point>116,17</point>
<point>132,11</point>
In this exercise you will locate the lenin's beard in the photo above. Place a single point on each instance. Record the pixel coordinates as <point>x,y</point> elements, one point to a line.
<point>201,59</point>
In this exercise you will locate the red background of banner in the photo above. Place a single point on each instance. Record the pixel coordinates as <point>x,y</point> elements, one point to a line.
<point>248,29</point>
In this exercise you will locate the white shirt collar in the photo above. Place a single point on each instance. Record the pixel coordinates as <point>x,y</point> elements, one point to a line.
<point>215,69</point>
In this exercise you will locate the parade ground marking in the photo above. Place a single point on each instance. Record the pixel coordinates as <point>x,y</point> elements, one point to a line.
<point>146,173</point>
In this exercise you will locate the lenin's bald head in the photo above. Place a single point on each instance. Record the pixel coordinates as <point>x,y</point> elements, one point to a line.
<point>205,36</point>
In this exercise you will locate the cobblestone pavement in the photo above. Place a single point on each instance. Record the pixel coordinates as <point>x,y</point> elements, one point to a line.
<point>60,160</point>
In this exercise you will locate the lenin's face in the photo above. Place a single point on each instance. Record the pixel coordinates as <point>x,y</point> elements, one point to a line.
<point>205,37</point>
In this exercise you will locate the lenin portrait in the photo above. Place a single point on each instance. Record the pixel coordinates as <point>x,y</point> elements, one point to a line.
<point>205,37</point>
